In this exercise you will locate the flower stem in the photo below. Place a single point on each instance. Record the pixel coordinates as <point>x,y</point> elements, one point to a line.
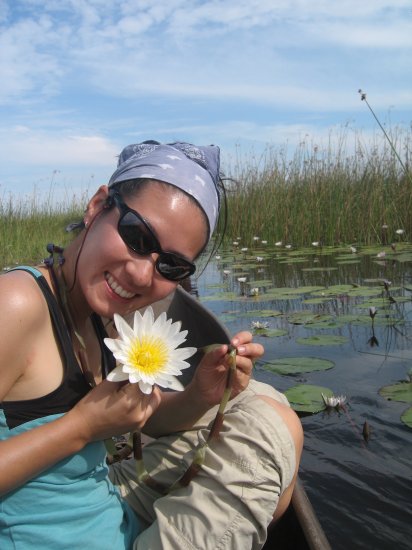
<point>200,453</point>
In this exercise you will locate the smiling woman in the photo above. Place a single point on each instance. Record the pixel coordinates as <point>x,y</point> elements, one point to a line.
<point>140,236</point>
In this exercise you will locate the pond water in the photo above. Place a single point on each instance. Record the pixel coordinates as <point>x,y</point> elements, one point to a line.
<point>360,486</point>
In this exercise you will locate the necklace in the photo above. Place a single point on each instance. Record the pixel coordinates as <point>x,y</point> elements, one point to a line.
<point>60,290</point>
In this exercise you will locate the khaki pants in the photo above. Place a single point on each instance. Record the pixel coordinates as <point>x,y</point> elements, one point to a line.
<point>230,502</point>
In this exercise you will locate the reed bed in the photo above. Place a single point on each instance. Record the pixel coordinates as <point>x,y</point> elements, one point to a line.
<point>329,195</point>
<point>26,226</point>
<point>325,195</point>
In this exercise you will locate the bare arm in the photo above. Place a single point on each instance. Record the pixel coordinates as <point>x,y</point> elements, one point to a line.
<point>178,411</point>
<point>109,409</point>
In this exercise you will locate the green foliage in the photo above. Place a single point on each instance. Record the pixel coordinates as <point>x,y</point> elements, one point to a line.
<point>407,417</point>
<point>330,195</point>
<point>307,398</point>
<point>398,392</point>
<point>298,365</point>
<point>26,227</point>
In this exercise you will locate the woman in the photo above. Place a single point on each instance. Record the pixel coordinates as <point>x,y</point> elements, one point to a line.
<point>139,237</point>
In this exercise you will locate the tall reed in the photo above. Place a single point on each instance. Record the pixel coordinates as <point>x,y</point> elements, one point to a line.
<point>26,226</point>
<point>327,195</point>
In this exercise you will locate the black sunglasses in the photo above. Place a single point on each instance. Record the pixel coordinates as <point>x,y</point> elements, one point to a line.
<point>137,234</point>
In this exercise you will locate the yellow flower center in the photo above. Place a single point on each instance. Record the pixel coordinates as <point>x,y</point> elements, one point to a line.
<point>148,355</point>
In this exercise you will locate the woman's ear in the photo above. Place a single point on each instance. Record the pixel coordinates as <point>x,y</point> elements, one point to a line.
<point>96,204</point>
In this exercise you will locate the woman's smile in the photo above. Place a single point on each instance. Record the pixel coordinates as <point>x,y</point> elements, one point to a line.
<point>117,288</point>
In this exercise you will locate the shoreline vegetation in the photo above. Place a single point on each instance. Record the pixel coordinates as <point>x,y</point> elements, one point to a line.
<point>327,195</point>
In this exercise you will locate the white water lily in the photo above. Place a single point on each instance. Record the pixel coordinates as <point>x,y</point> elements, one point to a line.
<point>278,243</point>
<point>259,258</point>
<point>242,279</point>
<point>400,231</point>
<point>264,242</point>
<point>254,291</point>
<point>259,324</point>
<point>335,401</point>
<point>147,353</point>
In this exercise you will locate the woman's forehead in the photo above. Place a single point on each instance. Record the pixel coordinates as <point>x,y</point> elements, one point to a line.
<point>170,213</point>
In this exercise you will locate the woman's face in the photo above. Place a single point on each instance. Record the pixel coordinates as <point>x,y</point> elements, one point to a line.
<point>115,279</point>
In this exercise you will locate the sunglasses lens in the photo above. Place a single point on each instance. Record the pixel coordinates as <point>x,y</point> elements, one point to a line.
<point>136,235</point>
<point>174,268</point>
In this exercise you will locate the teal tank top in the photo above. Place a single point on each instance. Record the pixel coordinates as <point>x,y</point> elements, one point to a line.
<point>71,505</point>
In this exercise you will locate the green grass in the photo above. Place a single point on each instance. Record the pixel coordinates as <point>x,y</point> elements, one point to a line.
<point>27,226</point>
<point>323,195</point>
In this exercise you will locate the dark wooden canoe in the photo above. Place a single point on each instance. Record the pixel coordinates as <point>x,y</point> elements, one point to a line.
<point>298,528</point>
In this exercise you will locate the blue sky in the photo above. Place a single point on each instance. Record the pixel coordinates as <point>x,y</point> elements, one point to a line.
<point>80,79</point>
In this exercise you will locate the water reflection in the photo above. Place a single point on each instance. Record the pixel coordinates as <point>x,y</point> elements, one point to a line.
<point>361,489</point>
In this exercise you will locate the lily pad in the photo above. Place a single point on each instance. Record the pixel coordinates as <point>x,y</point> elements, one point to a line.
<point>221,297</point>
<point>297,365</point>
<point>322,340</point>
<point>334,290</point>
<point>402,391</point>
<point>348,262</point>
<point>307,317</point>
<point>307,398</point>
<point>331,323</point>
<point>261,283</point>
<point>321,269</point>
<point>270,332</point>
<point>316,300</point>
<point>262,313</point>
<point>407,417</point>
<point>365,291</point>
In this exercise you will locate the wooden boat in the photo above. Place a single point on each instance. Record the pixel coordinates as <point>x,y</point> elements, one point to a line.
<point>298,528</point>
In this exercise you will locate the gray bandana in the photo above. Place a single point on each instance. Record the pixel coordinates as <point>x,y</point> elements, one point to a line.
<point>192,168</point>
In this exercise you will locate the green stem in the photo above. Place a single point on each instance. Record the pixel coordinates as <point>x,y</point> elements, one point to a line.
<point>363,98</point>
<point>199,458</point>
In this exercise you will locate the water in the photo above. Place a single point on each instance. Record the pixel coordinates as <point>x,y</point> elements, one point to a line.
<point>361,490</point>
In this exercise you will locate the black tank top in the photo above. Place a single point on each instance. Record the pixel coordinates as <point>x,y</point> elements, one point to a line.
<point>74,385</point>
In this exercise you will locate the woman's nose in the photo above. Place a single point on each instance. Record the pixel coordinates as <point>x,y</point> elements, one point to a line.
<point>142,270</point>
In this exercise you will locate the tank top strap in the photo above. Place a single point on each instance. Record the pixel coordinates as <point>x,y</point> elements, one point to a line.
<point>108,360</point>
<point>55,312</point>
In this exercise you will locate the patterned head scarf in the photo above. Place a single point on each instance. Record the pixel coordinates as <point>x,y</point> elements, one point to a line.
<point>193,169</point>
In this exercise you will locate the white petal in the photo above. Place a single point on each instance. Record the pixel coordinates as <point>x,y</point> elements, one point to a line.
<point>183,353</point>
<point>117,375</point>
<point>134,378</point>
<point>123,328</point>
<point>145,388</point>
<point>112,344</point>
<point>173,384</point>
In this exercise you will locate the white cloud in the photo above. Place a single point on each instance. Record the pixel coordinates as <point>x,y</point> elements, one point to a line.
<point>21,144</point>
<point>229,71</point>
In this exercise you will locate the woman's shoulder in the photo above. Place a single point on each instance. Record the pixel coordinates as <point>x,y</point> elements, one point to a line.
<point>20,294</point>
<point>23,317</point>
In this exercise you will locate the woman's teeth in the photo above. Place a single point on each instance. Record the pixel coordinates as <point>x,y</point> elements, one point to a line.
<point>117,288</point>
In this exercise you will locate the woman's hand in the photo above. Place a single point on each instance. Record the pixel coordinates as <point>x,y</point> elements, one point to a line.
<point>209,381</point>
<point>113,408</point>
